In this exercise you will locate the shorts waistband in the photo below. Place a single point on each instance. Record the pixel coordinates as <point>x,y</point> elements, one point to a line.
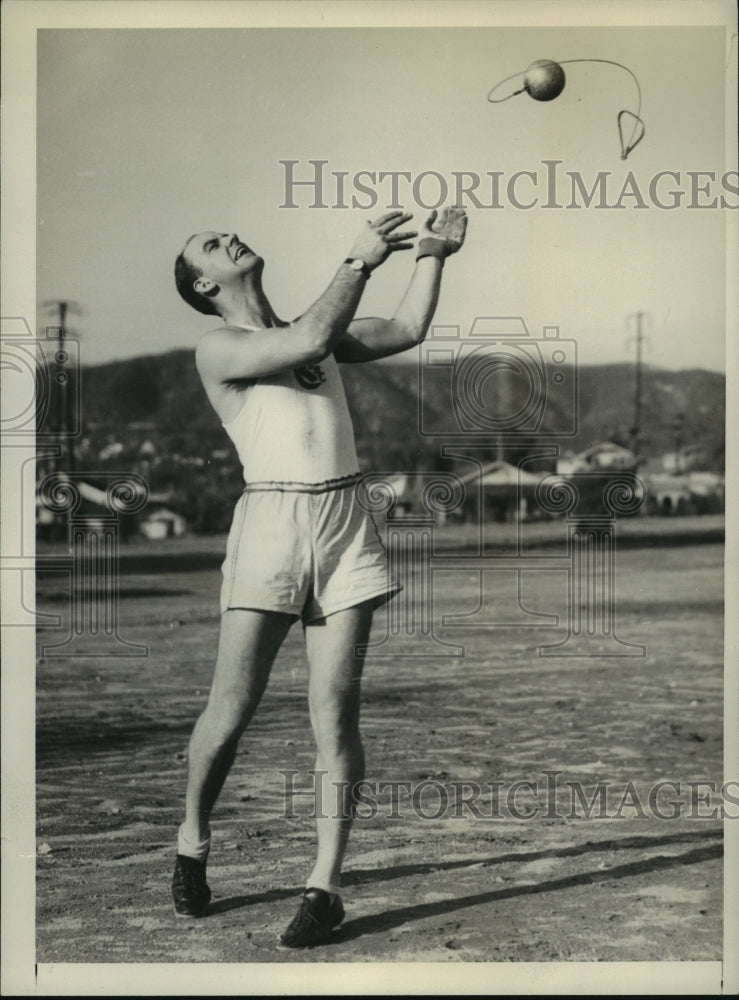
<point>297,487</point>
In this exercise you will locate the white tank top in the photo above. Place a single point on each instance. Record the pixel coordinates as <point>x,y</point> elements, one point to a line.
<point>294,431</point>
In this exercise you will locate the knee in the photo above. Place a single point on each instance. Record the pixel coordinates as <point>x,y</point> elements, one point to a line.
<point>224,720</point>
<point>337,734</point>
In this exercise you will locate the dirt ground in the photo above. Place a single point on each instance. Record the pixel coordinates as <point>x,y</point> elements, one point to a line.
<point>431,879</point>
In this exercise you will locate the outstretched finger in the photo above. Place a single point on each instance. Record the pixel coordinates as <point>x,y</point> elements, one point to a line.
<point>400,219</point>
<point>407,234</point>
<point>391,218</point>
<point>400,246</point>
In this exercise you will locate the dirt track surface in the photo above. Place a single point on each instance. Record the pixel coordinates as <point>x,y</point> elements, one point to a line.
<point>454,886</point>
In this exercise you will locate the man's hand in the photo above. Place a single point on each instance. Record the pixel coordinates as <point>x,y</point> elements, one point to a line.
<point>371,338</point>
<point>450,227</point>
<point>378,239</point>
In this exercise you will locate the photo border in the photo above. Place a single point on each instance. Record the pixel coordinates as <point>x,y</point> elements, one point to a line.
<point>20,974</point>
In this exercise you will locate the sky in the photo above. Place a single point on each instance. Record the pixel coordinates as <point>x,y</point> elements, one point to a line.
<point>145,136</point>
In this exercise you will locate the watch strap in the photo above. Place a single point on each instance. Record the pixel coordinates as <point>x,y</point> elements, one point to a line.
<point>364,268</point>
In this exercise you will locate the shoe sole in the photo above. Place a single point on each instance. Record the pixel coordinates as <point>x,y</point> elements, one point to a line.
<point>190,916</point>
<point>313,944</point>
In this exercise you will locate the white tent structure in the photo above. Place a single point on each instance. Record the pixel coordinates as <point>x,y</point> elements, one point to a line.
<point>503,474</point>
<point>503,486</point>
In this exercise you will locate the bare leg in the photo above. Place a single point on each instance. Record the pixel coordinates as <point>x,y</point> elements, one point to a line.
<point>248,644</point>
<point>334,691</point>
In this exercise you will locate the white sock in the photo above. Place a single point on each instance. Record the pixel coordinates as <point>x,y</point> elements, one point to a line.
<point>199,852</point>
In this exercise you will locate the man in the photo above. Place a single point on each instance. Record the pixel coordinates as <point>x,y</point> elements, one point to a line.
<point>300,546</point>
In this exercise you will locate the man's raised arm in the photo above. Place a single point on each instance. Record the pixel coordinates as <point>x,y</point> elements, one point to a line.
<point>372,338</point>
<point>227,354</point>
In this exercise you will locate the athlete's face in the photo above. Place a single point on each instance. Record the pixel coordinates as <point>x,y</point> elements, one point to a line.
<point>222,257</point>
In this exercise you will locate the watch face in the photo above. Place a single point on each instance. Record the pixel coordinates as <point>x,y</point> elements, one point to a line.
<point>357,264</point>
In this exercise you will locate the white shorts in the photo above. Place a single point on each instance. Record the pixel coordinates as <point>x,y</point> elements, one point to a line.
<point>304,554</point>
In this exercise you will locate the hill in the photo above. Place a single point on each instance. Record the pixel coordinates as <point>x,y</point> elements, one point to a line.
<point>150,414</point>
<point>164,391</point>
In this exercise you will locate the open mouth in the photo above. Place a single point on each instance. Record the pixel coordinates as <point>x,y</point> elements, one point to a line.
<point>241,249</point>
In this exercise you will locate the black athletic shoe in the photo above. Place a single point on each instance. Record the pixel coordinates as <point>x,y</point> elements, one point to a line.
<point>315,920</point>
<point>190,891</point>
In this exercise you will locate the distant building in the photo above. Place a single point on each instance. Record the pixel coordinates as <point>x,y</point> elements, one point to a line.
<point>602,456</point>
<point>162,523</point>
<point>692,458</point>
<point>667,494</point>
<point>707,492</point>
<point>677,484</point>
<point>112,450</point>
<point>158,519</point>
<point>147,449</point>
<point>504,490</point>
<point>94,507</point>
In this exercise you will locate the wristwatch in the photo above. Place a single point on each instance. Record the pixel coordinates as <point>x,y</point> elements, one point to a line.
<point>357,264</point>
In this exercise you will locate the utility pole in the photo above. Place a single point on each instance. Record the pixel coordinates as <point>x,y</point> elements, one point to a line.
<point>637,384</point>
<point>63,372</point>
<point>636,428</point>
<point>678,430</point>
<point>503,404</point>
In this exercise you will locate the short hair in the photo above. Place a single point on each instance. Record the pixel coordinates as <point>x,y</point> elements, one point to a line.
<point>185,276</point>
